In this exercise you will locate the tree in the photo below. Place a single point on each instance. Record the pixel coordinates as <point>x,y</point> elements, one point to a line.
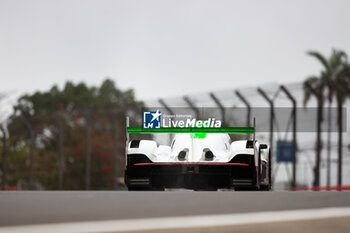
<point>333,79</point>
<point>60,119</point>
<point>342,87</point>
<point>3,157</point>
<point>315,86</point>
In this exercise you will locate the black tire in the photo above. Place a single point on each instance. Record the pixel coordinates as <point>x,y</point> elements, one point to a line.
<point>246,189</point>
<point>206,190</point>
<point>260,168</point>
<point>138,189</point>
<point>145,189</point>
<point>258,172</point>
<point>264,188</point>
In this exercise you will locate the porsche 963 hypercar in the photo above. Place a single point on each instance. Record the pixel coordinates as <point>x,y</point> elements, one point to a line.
<point>198,160</point>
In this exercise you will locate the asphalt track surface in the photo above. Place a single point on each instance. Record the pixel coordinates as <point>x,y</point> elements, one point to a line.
<point>332,225</point>
<point>31,207</point>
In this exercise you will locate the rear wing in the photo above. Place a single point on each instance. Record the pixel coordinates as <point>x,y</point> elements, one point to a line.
<point>228,130</point>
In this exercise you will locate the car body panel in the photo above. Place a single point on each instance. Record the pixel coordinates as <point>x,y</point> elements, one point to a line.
<point>233,164</point>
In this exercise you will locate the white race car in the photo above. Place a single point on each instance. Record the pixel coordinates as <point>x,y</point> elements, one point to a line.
<point>199,161</point>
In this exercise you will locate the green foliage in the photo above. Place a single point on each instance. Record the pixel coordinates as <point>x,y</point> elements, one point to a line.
<point>74,106</point>
<point>333,79</point>
<point>77,96</point>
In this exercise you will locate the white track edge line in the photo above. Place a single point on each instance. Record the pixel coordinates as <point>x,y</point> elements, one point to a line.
<point>181,222</point>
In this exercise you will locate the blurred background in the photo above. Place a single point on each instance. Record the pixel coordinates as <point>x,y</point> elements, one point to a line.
<point>71,71</point>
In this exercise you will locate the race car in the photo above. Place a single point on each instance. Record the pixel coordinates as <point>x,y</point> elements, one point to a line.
<point>198,161</point>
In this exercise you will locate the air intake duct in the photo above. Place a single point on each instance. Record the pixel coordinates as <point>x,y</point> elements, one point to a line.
<point>182,156</point>
<point>208,154</point>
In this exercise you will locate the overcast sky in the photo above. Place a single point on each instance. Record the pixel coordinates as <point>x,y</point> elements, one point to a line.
<point>166,48</point>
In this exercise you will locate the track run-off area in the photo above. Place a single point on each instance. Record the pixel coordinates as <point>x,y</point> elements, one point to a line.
<point>188,211</point>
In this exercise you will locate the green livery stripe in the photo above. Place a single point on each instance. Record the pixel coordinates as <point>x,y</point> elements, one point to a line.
<point>229,130</point>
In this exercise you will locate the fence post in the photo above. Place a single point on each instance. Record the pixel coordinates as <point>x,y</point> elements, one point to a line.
<point>218,103</point>
<point>31,151</point>
<point>272,115</point>
<point>294,143</point>
<point>4,158</point>
<point>88,154</point>
<point>246,102</point>
<point>192,106</point>
<point>316,183</point>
